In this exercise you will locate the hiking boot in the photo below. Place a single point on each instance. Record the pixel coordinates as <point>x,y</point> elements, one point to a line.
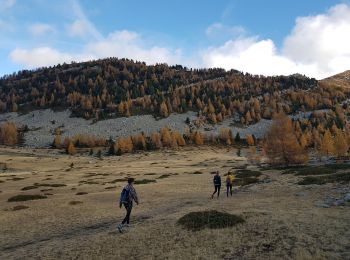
<point>120,228</point>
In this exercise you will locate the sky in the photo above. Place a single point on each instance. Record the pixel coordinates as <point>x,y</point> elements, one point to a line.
<point>270,37</point>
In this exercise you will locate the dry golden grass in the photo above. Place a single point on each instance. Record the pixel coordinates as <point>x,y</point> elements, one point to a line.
<point>279,224</point>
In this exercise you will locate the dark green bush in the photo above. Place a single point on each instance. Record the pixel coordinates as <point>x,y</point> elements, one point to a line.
<point>212,219</point>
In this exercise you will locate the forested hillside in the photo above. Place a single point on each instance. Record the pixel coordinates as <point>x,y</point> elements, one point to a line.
<point>112,87</point>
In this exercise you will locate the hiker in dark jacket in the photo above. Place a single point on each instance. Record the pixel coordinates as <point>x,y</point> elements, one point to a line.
<point>217,184</point>
<point>128,196</point>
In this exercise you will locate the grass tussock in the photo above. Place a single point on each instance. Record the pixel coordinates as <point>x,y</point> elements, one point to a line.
<point>26,197</point>
<point>197,172</point>
<point>212,219</point>
<point>145,181</point>
<point>19,207</point>
<point>319,180</point>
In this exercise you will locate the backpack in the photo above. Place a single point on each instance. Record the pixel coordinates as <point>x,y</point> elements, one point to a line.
<point>125,195</point>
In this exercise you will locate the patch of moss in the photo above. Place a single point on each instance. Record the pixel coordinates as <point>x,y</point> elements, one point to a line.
<point>25,197</point>
<point>212,219</point>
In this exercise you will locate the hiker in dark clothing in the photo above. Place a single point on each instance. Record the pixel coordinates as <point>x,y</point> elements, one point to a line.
<point>217,184</point>
<point>127,197</point>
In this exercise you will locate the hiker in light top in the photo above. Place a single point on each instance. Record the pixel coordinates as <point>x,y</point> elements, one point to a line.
<point>217,184</point>
<point>229,181</point>
<point>127,197</point>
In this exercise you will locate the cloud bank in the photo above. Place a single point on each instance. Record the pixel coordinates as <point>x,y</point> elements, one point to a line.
<point>318,46</point>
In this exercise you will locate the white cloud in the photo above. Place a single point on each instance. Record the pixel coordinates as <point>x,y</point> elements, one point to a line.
<point>318,46</point>
<point>132,45</point>
<point>121,44</point>
<point>38,29</point>
<point>322,39</point>
<point>39,57</point>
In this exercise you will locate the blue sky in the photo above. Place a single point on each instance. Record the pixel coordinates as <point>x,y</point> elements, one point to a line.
<point>262,37</point>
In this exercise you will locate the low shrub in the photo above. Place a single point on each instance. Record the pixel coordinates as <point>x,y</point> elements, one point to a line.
<point>212,219</point>
<point>197,172</point>
<point>25,197</point>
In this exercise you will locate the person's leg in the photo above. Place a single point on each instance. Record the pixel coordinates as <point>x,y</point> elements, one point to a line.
<point>128,207</point>
<point>219,187</point>
<point>214,191</point>
<point>227,189</point>
<point>231,189</point>
<point>128,213</point>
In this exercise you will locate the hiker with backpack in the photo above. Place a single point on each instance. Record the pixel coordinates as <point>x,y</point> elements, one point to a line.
<point>127,197</point>
<point>217,184</point>
<point>229,181</point>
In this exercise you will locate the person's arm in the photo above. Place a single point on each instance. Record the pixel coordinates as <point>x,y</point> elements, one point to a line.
<point>134,195</point>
